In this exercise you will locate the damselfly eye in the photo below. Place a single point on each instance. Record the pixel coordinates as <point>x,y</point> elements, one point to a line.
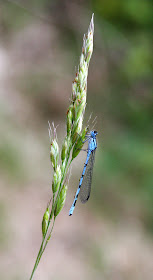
<point>95,132</point>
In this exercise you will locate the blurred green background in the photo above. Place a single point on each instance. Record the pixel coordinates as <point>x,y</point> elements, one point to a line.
<point>40,45</point>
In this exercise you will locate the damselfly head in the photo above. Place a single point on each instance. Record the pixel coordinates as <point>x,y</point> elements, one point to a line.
<point>93,133</point>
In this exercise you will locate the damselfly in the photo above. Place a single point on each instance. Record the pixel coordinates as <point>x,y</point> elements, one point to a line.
<point>84,187</point>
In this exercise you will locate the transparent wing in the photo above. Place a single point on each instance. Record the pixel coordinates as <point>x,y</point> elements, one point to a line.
<point>87,179</point>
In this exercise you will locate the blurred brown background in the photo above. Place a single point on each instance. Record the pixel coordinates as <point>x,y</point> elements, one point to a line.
<point>40,44</point>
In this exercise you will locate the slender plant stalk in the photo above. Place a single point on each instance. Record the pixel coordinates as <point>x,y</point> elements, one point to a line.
<point>72,143</point>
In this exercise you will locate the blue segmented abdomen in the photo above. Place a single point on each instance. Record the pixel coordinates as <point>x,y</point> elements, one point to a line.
<point>80,183</point>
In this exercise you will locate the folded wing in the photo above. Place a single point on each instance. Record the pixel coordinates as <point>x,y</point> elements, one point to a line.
<point>87,179</point>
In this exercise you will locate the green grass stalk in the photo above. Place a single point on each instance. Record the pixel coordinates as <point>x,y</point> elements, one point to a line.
<point>71,144</point>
